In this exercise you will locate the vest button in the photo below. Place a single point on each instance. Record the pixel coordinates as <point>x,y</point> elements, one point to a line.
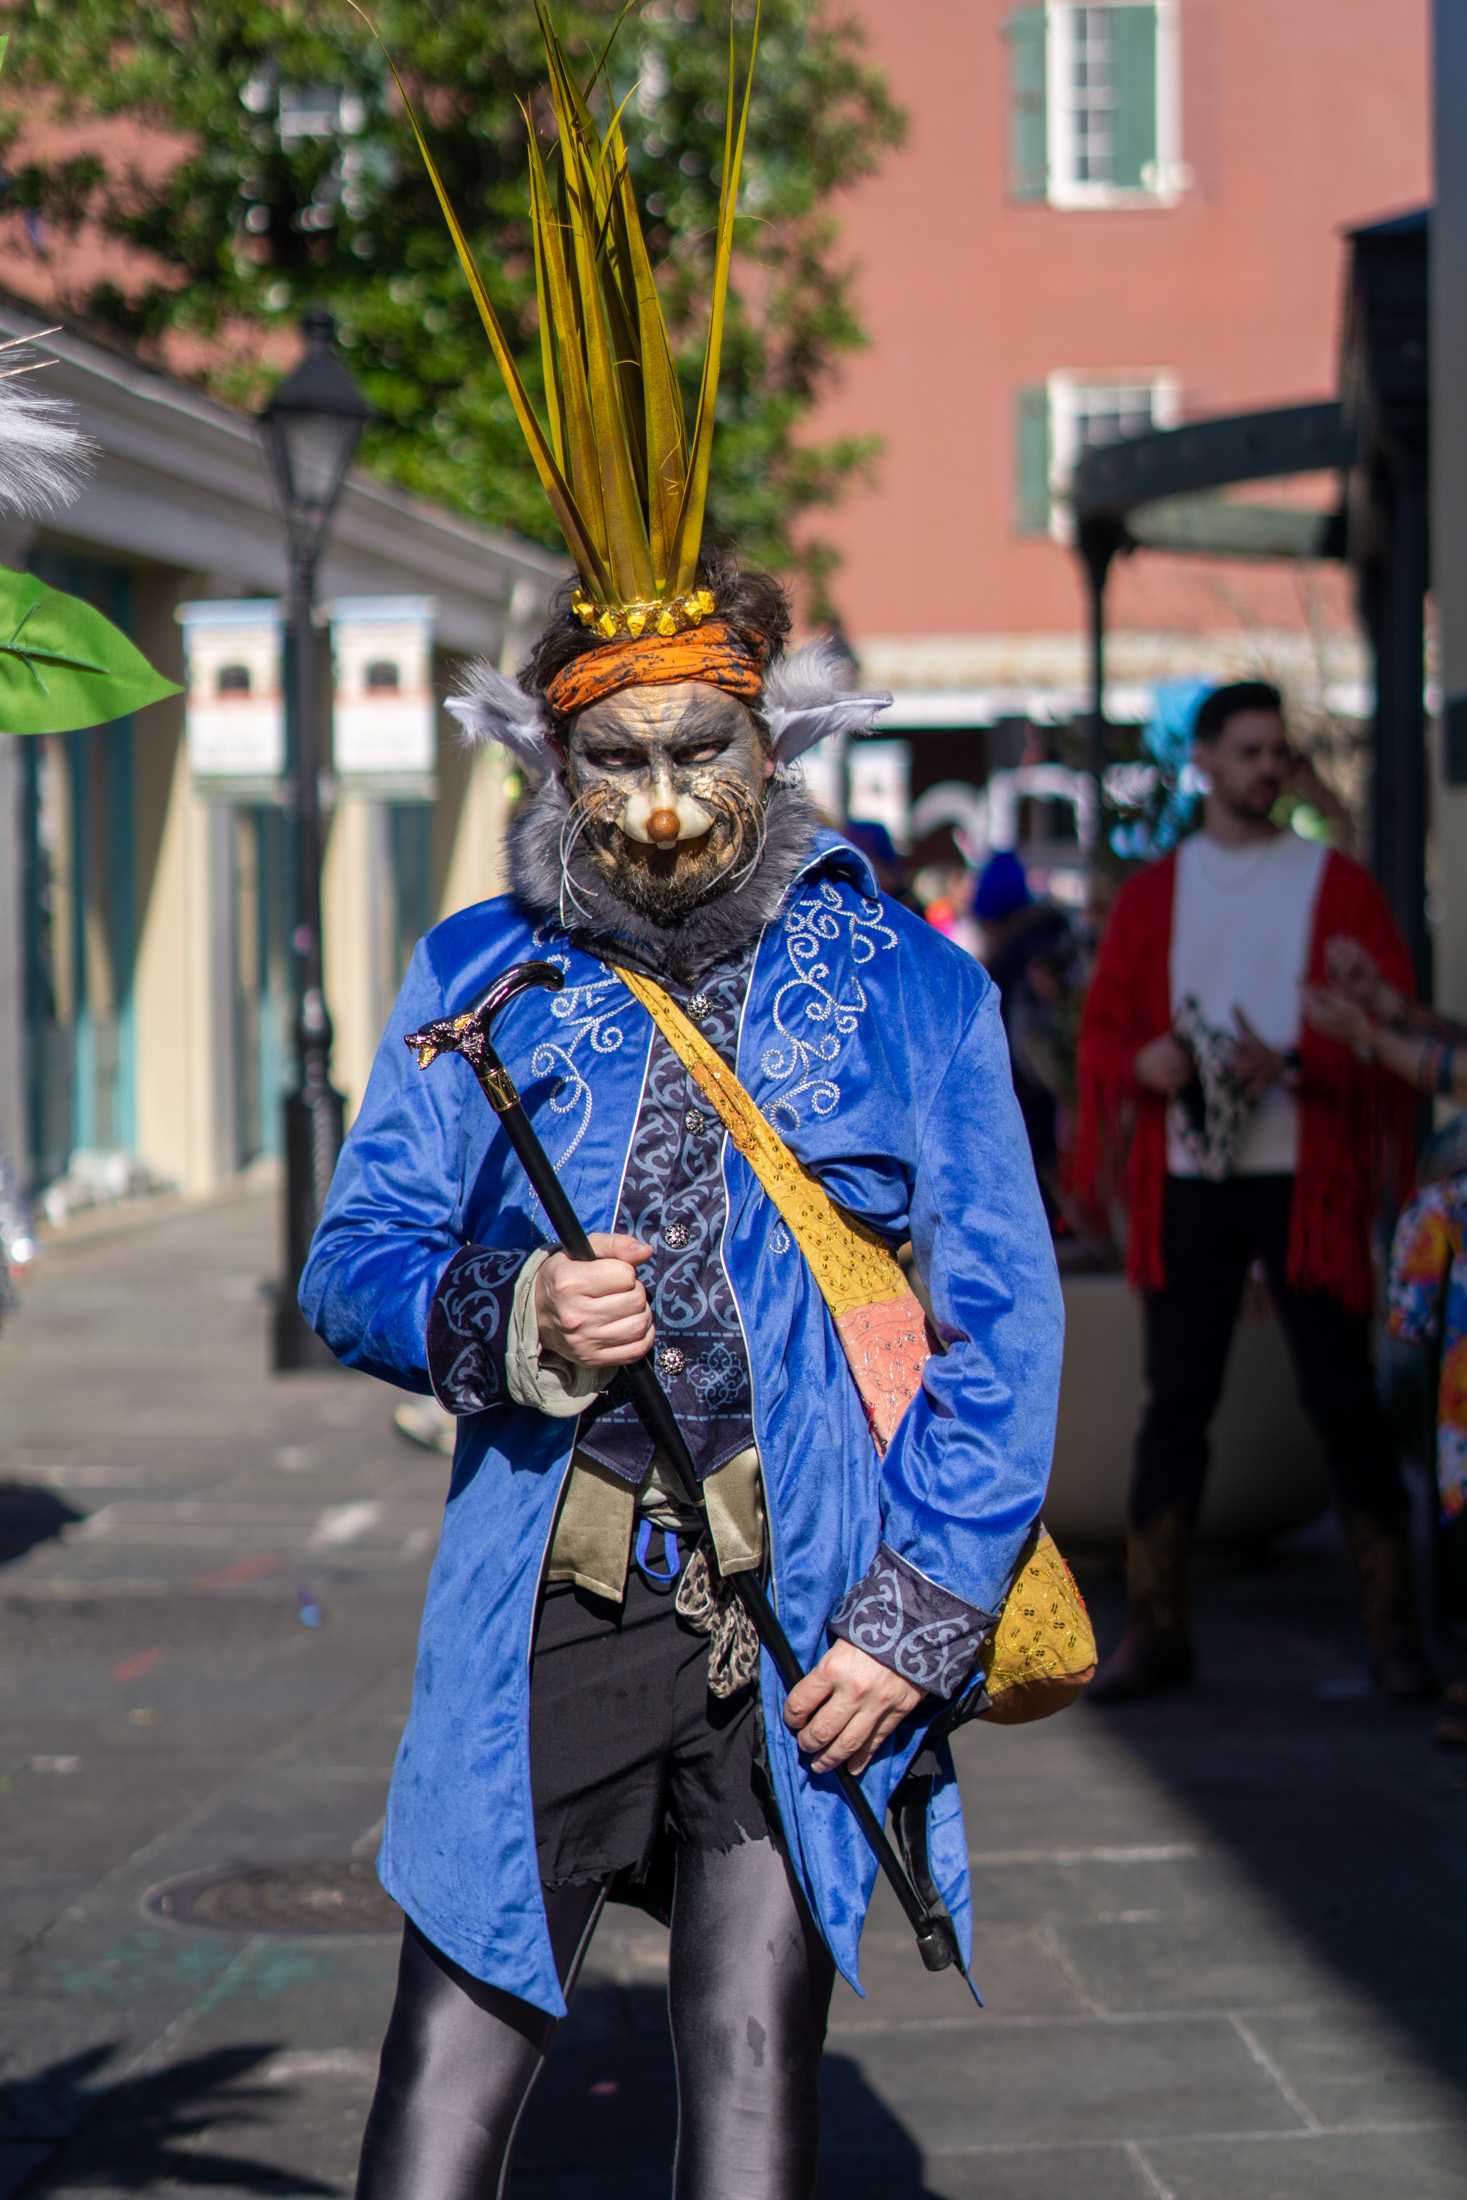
<point>671,1359</point>
<point>698,1004</point>
<point>676,1234</point>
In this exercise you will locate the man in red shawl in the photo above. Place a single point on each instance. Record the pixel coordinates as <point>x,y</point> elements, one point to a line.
<point>1251,1139</point>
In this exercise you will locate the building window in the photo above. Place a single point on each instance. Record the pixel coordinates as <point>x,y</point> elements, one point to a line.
<point>1096,103</point>
<point>232,680</point>
<point>1059,420</point>
<point>383,676</point>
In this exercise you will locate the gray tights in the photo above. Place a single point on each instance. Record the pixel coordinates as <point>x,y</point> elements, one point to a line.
<point>749,1983</point>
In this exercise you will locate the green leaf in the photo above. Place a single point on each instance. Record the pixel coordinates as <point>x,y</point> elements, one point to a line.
<point>63,666</point>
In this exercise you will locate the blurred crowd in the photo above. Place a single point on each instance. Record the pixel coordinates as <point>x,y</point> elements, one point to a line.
<point>1223,1074</point>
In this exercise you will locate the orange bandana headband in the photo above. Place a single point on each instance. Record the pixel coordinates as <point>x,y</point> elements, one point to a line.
<point>710,653</point>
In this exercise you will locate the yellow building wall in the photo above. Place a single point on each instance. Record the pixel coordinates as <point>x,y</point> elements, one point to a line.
<point>180,1019</point>
<point>361,955</point>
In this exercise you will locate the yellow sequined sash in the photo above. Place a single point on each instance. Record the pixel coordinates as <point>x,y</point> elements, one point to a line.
<point>1042,1650</point>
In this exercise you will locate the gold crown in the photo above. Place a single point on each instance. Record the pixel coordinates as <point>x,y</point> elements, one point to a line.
<point>630,621</point>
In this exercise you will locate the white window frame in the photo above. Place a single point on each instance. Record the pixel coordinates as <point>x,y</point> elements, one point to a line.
<point>1067,390</point>
<point>1170,177</point>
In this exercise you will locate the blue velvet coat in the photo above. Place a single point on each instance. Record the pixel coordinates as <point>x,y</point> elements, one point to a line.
<point>875,1048</point>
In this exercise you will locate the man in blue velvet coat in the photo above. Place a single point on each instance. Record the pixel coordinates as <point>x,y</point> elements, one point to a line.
<point>579,1724</point>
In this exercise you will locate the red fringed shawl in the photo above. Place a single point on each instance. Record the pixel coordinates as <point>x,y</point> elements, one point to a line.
<point>1354,1120</point>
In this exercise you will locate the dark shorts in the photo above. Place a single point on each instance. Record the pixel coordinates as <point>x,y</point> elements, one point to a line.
<point>628,1751</point>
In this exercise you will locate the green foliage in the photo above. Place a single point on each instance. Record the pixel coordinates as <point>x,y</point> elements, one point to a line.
<point>63,665</point>
<point>251,225</point>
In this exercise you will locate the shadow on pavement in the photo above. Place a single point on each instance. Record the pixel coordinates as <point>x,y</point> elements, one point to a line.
<point>30,1515</point>
<point>140,2134</point>
<point>602,2122</point>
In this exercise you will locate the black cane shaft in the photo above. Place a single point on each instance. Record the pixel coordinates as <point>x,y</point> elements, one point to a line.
<point>563,1217</point>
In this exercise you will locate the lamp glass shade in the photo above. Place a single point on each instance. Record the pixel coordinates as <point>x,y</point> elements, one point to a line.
<point>310,454</point>
<point>311,428</point>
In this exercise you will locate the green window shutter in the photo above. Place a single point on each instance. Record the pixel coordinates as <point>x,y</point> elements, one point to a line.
<point>1028,116</point>
<point>1031,452</point>
<point>1133,62</point>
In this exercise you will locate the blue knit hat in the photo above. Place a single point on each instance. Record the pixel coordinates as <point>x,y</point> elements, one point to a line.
<point>874,841</point>
<point>1001,889</point>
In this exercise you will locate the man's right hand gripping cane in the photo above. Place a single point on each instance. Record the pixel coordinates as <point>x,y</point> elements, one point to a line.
<point>595,1312</point>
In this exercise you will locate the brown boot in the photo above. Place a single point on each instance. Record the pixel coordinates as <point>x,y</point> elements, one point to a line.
<point>1155,1653</point>
<point>1382,1556</point>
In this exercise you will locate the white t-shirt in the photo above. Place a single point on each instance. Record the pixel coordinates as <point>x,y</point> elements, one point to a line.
<point>1241,927</point>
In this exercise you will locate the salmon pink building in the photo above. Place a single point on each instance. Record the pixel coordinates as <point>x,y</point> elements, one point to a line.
<point>1106,217</point>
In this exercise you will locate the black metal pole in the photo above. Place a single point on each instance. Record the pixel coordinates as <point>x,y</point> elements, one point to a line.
<point>314,1112</point>
<point>1406,611</point>
<point>469,1035</point>
<point>1096,554</point>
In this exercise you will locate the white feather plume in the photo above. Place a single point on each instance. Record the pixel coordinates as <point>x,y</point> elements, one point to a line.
<point>43,453</point>
<point>491,707</point>
<point>807,696</point>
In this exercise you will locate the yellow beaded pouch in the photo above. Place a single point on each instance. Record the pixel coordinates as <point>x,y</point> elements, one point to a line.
<point>1041,1653</point>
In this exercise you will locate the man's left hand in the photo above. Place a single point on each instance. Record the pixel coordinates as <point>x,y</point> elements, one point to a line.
<point>845,1708</point>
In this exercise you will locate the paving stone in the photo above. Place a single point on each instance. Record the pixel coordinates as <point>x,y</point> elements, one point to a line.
<point>1031,2173</point>
<point>1427,2165</point>
<point>1405,2064</point>
<point>1261,1953</point>
<point>101,1817</point>
<point>1059,2080</point>
<point>317,1999</point>
<point>1018,1974</point>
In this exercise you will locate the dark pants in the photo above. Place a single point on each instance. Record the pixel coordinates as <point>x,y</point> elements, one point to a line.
<point>1212,1234</point>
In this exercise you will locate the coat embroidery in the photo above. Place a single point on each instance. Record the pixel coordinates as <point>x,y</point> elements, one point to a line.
<point>673,1198</point>
<point>467,1327</point>
<point>926,1634</point>
<point>811,1015</point>
<point>587,1015</point>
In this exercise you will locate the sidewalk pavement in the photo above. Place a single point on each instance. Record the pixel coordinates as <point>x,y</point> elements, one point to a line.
<point>1222,1939</point>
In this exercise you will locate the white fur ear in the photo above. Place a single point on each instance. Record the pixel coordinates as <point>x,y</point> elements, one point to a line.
<point>490,707</point>
<point>806,697</point>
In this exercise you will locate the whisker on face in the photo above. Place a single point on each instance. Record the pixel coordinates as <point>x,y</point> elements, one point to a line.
<point>577,818</point>
<point>747,817</point>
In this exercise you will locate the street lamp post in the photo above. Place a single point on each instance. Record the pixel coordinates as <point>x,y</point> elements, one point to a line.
<point>310,430</point>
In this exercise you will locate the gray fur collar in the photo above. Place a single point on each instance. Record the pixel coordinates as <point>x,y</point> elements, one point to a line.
<point>700,938</point>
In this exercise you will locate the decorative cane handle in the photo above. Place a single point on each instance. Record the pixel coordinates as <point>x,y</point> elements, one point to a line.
<point>468,1034</point>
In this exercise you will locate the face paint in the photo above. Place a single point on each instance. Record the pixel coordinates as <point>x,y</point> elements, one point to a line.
<point>667,790</point>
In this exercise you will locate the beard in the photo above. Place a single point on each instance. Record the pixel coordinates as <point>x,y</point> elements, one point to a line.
<point>1254,805</point>
<point>671,911</point>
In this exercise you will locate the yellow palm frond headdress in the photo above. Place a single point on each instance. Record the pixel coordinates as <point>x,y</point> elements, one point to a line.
<point>626,481</point>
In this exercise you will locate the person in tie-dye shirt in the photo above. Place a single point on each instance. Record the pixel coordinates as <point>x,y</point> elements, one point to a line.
<point>1428,1305</point>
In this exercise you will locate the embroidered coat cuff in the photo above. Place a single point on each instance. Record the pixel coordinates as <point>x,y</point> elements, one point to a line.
<point>896,1615</point>
<point>468,1328</point>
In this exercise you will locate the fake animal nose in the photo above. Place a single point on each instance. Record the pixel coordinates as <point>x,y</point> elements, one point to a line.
<point>663,827</point>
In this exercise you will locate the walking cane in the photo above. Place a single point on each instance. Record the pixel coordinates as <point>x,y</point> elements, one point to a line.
<point>468,1035</point>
